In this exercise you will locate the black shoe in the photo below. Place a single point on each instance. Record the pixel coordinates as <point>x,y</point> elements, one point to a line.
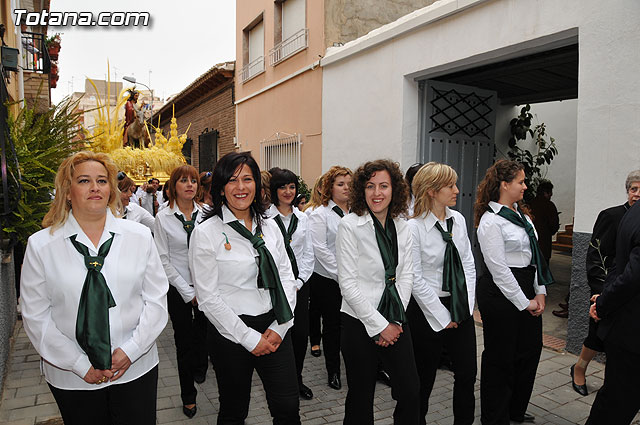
<point>525,418</point>
<point>334,381</point>
<point>200,378</point>
<point>305,392</point>
<point>316,353</point>
<point>580,389</point>
<point>384,378</point>
<point>189,412</point>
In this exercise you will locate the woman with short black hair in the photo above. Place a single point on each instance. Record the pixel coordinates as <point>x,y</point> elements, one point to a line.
<point>245,286</point>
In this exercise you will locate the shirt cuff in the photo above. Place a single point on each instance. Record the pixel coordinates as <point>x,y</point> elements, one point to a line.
<point>281,329</point>
<point>521,302</point>
<point>376,325</point>
<point>186,291</point>
<point>82,366</point>
<point>252,340</point>
<point>299,284</point>
<point>132,350</point>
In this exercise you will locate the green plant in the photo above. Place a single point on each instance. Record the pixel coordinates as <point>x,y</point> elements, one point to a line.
<point>303,189</point>
<point>42,141</point>
<point>53,41</point>
<point>533,163</point>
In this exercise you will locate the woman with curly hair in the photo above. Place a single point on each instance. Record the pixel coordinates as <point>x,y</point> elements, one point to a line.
<point>511,294</point>
<point>375,271</point>
<point>325,292</point>
<point>441,309</point>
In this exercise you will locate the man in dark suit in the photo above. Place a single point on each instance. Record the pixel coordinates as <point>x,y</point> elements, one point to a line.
<point>618,307</point>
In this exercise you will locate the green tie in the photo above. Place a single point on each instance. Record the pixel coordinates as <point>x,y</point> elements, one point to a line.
<point>288,237</point>
<point>544,274</point>
<point>188,225</point>
<point>453,280</point>
<point>268,276</point>
<point>336,209</point>
<point>92,323</point>
<point>390,305</point>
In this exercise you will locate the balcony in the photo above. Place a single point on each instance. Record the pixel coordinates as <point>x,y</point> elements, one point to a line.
<point>35,57</point>
<point>252,69</point>
<point>289,47</point>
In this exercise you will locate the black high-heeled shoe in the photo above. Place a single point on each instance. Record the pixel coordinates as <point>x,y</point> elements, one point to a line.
<point>189,412</point>
<point>580,389</point>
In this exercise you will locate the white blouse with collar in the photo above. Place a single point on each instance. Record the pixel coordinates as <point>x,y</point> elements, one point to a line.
<point>428,264</point>
<point>361,270</point>
<point>506,245</point>
<point>53,276</point>
<point>323,222</point>
<point>135,212</point>
<point>300,242</point>
<point>171,240</point>
<point>226,280</point>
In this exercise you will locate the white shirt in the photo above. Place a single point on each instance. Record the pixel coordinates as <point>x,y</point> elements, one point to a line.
<point>361,270</point>
<point>145,200</point>
<point>504,245</point>
<point>171,240</point>
<point>135,212</point>
<point>53,276</point>
<point>323,223</point>
<point>428,264</point>
<point>226,280</point>
<point>300,242</point>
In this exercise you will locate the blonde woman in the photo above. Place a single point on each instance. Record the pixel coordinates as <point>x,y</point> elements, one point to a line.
<point>91,309</point>
<point>325,291</point>
<point>315,333</point>
<point>441,310</point>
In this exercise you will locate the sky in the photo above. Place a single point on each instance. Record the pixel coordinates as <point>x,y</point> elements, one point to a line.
<point>183,40</point>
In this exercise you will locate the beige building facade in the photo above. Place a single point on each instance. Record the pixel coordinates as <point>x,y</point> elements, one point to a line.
<point>279,45</point>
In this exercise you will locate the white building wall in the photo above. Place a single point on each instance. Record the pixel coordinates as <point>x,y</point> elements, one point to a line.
<point>370,97</point>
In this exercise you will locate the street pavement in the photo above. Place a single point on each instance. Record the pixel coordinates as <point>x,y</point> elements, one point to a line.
<point>27,400</point>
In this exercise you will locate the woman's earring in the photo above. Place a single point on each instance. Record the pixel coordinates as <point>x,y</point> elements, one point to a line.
<point>69,203</point>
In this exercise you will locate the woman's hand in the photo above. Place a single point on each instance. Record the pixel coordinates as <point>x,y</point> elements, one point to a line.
<point>273,337</point>
<point>451,325</point>
<point>541,299</point>
<point>263,347</point>
<point>592,310</point>
<point>533,306</point>
<point>194,301</point>
<point>389,335</point>
<point>120,362</point>
<point>96,376</point>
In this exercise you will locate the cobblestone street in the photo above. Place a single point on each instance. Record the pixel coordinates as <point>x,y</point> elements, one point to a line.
<point>28,401</point>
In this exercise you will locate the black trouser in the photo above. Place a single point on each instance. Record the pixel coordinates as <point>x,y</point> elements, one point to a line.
<point>361,356</point>
<point>428,345</point>
<point>131,403</point>
<point>300,330</point>
<point>315,330</point>
<point>325,293</point>
<point>190,336</point>
<point>618,400</point>
<point>512,347</point>
<point>234,367</point>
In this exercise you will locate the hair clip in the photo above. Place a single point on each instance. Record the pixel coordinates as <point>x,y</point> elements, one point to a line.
<point>227,245</point>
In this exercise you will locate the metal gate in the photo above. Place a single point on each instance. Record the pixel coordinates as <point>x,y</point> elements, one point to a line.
<point>457,127</point>
<point>207,150</point>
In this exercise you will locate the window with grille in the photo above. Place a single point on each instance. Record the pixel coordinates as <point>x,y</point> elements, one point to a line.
<point>281,150</point>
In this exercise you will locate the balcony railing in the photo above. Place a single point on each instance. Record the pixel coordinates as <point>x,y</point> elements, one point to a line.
<point>34,53</point>
<point>252,69</point>
<point>289,47</point>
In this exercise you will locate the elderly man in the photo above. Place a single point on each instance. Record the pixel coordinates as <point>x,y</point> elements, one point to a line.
<point>618,306</point>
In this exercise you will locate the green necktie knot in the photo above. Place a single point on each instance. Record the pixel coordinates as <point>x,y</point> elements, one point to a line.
<point>188,225</point>
<point>94,263</point>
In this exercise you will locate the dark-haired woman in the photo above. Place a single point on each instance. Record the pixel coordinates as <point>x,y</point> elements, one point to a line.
<point>441,309</point>
<point>511,295</point>
<point>375,271</point>
<point>133,211</point>
<point>245,286</point>
<point>325,292</point>
<point>172,234</point>
<point>294,227</point>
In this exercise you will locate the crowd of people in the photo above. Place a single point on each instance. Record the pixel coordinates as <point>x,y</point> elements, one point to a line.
<point>376,266</point>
